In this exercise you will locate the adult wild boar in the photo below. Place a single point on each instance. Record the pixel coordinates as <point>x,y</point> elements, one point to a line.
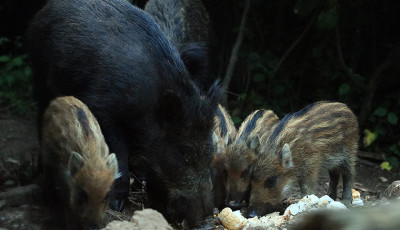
<point>186,25</point>
<point>115,58</point>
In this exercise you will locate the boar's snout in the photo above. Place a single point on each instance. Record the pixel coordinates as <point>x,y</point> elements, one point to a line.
<point>254,211</point>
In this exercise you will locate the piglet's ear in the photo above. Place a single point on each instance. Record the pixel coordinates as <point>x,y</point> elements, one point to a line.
<point>75,163</point>
<point>287,159</point>
<point>112,163</point>
<point>226,139</point>
<point>171,108</point>
<point>216,140</point>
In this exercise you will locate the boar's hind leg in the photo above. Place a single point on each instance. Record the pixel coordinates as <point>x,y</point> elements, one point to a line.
<point>334,176</point>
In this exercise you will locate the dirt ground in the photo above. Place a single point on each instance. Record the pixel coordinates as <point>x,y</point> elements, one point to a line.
<point>20,207</point>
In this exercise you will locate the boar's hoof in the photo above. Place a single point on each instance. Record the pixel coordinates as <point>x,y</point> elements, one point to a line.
<point>117,204</point>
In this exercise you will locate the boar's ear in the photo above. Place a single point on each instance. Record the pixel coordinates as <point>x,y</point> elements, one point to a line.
<point>75,163</point>
<point>194,56</point>
<point>171,108</point>
<point>254,142</point>
<point>287,160</point>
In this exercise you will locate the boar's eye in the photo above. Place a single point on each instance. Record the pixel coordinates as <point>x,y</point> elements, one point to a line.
<point>271,182</point>
<point>245,173</point>
<point>82,197</point>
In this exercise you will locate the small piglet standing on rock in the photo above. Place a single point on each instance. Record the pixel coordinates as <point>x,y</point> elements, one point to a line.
<point>323,135</point>
<point>77,165</point>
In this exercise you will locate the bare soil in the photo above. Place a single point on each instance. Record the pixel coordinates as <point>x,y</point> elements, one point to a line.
<point>20,200</point>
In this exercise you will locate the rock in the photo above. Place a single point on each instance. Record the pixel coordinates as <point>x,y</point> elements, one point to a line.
<point>9,183</point>
<point>393,191</point>
<point>324,201</point>
<point>121,225</point>
<point>384,217</point>
<point>231,220</point>
<point>3,203</point>
<point>21,195</point>
<point>336,205</point>
<point>234,220</point>
<point>141,220</point>
<point>150,219</point>
<point>356,199</point>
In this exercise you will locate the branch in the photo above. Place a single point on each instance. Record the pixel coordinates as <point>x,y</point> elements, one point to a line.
<point>235,50</point>
<point>343,63</point>
<point>290,49</point>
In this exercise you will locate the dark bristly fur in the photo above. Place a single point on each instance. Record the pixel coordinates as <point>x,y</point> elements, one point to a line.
<point>186,25</point>
<point>115,58</point>
<point>78,168</point>
<point>323,135</point>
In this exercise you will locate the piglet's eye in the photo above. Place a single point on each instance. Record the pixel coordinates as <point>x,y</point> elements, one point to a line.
<point>82,197</point>
<point>271,182</point>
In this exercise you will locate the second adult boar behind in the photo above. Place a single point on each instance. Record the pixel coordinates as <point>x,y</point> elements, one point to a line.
<point>323,135</point>
<point>186,25</point>
<point>115,58</point>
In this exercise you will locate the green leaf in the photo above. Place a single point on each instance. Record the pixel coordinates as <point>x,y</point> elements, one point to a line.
<point>236,119</point>
<point>18,61</point>
<point>4,58</point>
<point>27,71</point>
<point>392,118</point>
<point>394,149</point>
<point>369,137</point>
<point>304,7</point>
<point>344,89</point>
<point>242,96</point>
<point>254,57</point>
<point>259,77</point>
<point>386,166</point>
<point>393,161</point>
<point>328,19</point>
<point>380,112</point>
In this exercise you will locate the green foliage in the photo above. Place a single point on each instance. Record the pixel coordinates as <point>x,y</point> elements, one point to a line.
<point>328,19</point>
<point>342,56</point>
<point>15,80</point>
